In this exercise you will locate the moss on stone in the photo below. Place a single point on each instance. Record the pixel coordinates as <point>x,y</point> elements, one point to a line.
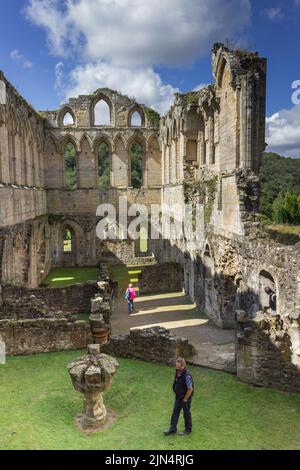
<point>152,116</point>
<point>205,192</point>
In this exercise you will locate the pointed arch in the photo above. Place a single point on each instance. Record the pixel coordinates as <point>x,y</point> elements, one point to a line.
<point>66,111</point>
<point>69,138</point>
<point>86,138</point>
<point>139,138</point>
<point>118,137</point>
<point>103,137</point>
<point>51,141</point>
<point>137,156</point>
<point>207,251</point>
<point>136,117</point>
<point>101,111</point>
<point>70,166</point>
<point>68,240</point>
<point>103,165</point>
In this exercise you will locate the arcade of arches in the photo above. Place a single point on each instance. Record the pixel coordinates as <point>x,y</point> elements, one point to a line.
<point>57,167</point>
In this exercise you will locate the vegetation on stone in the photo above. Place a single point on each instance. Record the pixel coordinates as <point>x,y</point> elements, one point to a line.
<point>280,189</point>
<point>152,116</point>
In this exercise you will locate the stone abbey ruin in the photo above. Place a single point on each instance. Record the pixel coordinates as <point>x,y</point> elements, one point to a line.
<point>57,167</point>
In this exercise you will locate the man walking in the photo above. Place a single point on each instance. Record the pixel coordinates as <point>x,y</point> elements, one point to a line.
<point>183,388</point>
<point>130,295</point>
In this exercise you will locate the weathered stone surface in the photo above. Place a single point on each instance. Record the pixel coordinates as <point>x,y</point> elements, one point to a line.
<point>92,375</point>
<point>268,352</point>
<point>207,152</point>
<point>23,337</point>
<point>19,302</point>
<point>155,344</point>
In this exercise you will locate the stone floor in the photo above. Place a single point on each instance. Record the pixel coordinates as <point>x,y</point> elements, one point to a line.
<point>214,347</point>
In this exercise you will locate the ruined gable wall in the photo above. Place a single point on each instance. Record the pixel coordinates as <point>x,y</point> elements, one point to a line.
<point>77,208</point>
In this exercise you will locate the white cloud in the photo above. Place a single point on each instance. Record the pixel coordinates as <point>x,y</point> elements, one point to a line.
<point>138,32</point>
<point>59,75</point>
<point>200,86</point>
<point>141,83</point>
<point>274,13</point>
<point>17,56</point>
<point>117,43</point>
<point>283,132</point>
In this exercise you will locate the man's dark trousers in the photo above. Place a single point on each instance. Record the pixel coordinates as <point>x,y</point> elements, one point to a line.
<point>186,407</point>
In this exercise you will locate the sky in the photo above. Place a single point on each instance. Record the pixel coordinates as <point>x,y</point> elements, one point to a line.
<point>52,50</point>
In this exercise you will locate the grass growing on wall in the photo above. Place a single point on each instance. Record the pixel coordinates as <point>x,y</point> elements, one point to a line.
<point>62,277</point>
<point>38,406</point>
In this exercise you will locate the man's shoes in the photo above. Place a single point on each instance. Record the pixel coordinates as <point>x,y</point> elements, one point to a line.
<point>184,433</point>
<point>168,432</point>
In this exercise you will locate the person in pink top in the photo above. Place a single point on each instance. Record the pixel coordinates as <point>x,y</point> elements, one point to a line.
<point>130,295</point>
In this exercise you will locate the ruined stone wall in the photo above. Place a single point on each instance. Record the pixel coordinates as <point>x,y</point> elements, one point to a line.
<point>25,337</point>
<point>268,351</point>
<point>151,344</point>
<point>212,142</point>
<point>77,209</point>
<point>19,302</point>
<point>166,277</point>
<point>86,136</point>
<point>24,253</point>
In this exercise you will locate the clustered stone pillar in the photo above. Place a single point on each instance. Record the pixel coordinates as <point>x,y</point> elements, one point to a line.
<point>92,375</point>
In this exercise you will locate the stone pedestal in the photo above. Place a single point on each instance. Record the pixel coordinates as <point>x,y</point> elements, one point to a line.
<point>92,375</point>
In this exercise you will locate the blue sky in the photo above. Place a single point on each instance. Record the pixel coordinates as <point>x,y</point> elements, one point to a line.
<point>51,50</point>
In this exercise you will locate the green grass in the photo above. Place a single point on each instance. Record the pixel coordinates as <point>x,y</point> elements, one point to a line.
<point>285,234</point>
<point>123,275</point>
<point>38,407</point>
<point>82,316</point>
<point>61,277</point>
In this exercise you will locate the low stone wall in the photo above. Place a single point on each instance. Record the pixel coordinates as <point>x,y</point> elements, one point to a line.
<point>25,337</point>
<point>19,302</point>
<point>151,345</point>
<point>268,351</point>
<point>159,278</point>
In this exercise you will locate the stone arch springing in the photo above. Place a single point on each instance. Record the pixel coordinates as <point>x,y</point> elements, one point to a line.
<point>70,166</point>
<point>103,165</point>
<point>101,112</point>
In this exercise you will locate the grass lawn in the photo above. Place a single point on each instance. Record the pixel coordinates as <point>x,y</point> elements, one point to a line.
<point>285,234</point>
<point>38,406</point>
<point>61,277</point>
